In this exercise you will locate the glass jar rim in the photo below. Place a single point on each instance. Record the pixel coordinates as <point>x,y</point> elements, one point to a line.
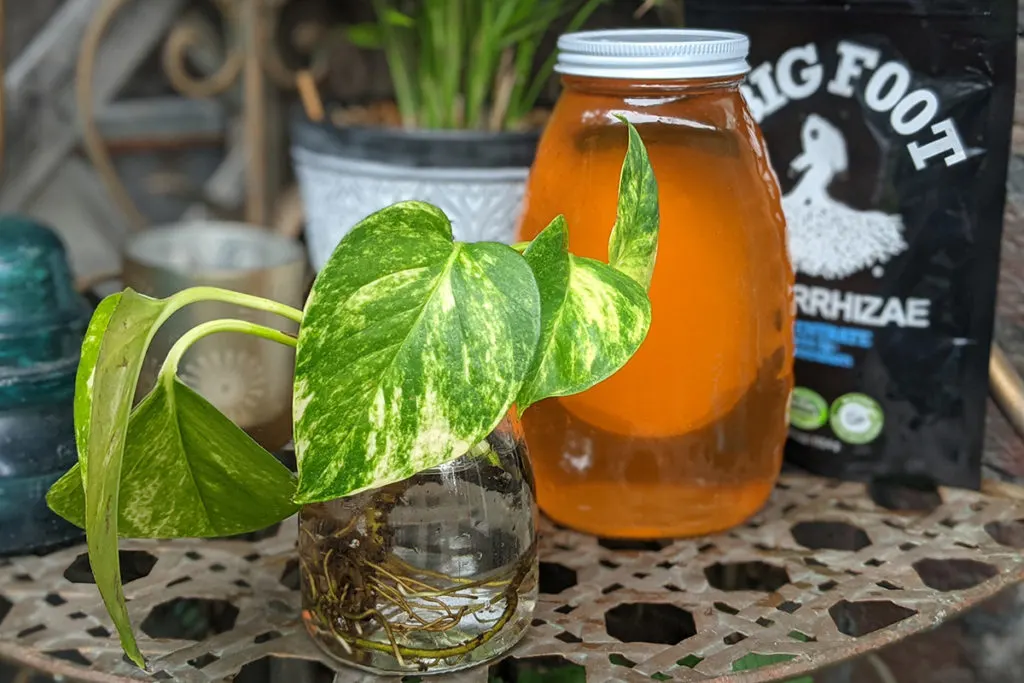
<point>653,54</point>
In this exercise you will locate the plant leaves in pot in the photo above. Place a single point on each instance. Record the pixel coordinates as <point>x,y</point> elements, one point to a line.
<point>463,130</point>
<point>416,355</point>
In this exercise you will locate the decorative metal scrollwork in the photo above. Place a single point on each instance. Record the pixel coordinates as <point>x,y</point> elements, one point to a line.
<point>193,33</point>
<point>200,63</point>
<point>307,39</point>
<point>251,57</point>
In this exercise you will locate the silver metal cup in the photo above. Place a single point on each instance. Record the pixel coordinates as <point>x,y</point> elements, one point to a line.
<point>247,379</point>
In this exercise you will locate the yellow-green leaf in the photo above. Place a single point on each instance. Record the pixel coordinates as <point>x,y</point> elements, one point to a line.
<point>412,349</point>
<point>755,660</point>
<point>633,247</point>
<point>593,319</point>
<point>114,347</point>
<point>187,472</point>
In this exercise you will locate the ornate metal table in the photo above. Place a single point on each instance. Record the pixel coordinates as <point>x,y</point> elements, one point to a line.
<point>821,575</point>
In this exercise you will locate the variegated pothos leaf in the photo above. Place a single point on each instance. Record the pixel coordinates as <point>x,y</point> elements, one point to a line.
<point>187,472</point>
<point>411,350</point>
<point>633,246</point>
<point>593,319</point>
<point>171,447</point>
<point>113,349</point>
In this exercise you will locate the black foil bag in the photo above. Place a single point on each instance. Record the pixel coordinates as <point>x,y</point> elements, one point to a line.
<point>889,124</point>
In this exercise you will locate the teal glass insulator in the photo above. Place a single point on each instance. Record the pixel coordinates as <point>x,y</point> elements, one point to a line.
<point>42,322</point>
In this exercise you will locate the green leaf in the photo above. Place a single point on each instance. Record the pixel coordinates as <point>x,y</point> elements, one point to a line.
<point>621,660</point>
<point>113,349</point>
<point>593,319</point>
<point>754,660</point>
<point>573,673</point>
<point>412,349</point>
<point>395,18</point>
<point>690,661</point>
<point>633,247</point>
<point>368,35</point>
<point>187,472</point>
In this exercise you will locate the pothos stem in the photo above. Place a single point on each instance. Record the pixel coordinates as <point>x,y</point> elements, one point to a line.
<point>169,369</point>
<point>195,294</point>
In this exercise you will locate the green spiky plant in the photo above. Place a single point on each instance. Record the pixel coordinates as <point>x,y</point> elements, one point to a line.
<point>411,349</point>
<point>467,63</point>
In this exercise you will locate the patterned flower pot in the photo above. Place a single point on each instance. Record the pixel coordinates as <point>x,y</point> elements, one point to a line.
<point>346,173</point>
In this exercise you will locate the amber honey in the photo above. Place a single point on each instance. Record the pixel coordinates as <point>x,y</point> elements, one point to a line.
<point>687,439</point>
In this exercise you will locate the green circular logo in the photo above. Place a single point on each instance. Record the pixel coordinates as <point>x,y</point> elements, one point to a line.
<point>808,410</point>
<point>856,418</point>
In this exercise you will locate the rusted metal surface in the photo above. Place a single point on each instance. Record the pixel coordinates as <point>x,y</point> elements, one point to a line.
<point>821,575</point>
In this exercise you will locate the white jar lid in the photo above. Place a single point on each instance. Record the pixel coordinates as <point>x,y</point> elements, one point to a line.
<point>656,54</point>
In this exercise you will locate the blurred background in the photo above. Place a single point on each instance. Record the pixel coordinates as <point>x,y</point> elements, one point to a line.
<point>192,118</point>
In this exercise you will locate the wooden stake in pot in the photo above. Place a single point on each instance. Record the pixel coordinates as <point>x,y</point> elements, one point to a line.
<point>310,96</point>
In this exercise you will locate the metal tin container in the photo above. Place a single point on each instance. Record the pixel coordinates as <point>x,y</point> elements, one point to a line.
<point>247,379</point>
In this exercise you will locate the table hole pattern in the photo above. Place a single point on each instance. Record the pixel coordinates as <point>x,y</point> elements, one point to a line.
<point>555,578</point>
<point>135,565</point>
<point>823,573</point>
<point>73,656</point>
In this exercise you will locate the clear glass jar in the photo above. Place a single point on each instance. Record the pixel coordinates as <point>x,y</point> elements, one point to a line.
<point>432,574</point>
<point>687,439</point>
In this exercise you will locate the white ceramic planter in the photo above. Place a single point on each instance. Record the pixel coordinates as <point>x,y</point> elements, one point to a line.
<point>345,174</point>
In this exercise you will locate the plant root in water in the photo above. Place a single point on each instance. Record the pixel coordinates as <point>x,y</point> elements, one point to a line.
<point>356,588</point>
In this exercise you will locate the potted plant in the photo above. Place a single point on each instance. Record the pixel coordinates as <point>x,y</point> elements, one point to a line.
<point>462,131</point>
<point>416,355</point>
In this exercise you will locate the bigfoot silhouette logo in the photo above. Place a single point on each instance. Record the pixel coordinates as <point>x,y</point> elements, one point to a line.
<point>828,239</point>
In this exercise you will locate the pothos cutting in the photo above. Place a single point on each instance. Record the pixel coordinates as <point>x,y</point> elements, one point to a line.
<point>411,349</point>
